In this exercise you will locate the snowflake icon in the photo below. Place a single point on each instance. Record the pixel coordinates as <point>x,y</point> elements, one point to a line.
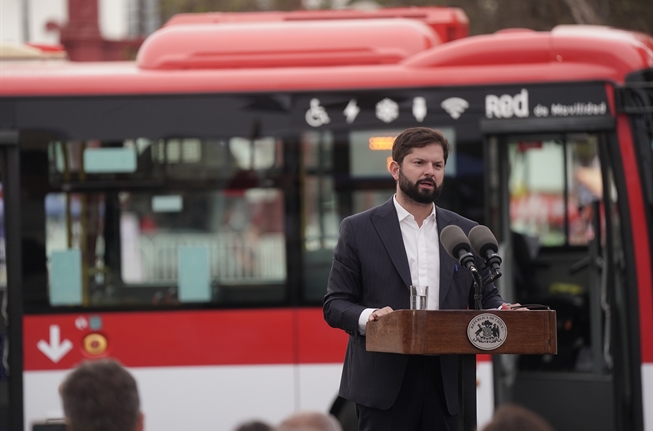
<point>387,110</point>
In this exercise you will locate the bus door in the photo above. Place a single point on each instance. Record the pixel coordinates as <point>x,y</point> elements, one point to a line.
<point>552,202</point>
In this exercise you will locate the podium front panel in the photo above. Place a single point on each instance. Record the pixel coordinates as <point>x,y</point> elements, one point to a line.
<point>440,332</point>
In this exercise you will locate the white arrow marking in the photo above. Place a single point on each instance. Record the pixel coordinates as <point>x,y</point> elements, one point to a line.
<point>55,350</point>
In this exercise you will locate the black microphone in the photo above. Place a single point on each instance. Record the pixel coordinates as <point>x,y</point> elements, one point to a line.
<point>485,245</point>
<point>455,242</point>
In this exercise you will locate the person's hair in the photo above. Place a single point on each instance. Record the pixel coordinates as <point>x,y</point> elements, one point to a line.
<point>511,417</point>
<point>255,425</point>
<point>418,137</point>
<point>310,421</point>
<point>100,396</point>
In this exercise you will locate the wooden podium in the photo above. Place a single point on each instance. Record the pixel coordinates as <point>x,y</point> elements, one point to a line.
<point>467,333</point>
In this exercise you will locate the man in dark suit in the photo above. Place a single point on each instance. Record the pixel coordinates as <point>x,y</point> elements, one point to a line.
<point>379,254</point>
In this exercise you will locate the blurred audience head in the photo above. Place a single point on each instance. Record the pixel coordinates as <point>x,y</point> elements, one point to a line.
<point>511,417</point>
<point>254,426</point>
<point>309,421</point>
<point>101,396</point>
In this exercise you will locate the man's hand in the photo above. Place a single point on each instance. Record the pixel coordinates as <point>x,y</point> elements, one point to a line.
<point>378,313</point>
<point>517,306</point>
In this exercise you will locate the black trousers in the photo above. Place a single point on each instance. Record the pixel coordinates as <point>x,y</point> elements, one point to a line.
<point>420,405</point>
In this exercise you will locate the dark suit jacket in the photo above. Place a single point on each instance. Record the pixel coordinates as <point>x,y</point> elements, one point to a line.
<point>370,270</point>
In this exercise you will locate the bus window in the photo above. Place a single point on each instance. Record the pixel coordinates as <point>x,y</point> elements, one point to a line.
<point>186,228</point>
<point>537,191</point>
<point>551,192</point>
<point>370,156</point>
<point>320,212</point>
<point>145,159</point>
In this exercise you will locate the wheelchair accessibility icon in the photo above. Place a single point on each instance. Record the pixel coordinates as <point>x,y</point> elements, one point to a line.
<point>316,114</point>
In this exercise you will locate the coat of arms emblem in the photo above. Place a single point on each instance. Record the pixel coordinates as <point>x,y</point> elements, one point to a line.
<point>487,331</point>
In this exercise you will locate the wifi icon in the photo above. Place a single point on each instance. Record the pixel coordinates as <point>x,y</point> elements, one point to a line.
<point>455,106</point>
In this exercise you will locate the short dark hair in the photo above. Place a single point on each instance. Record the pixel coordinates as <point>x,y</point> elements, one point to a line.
<point>512,417</point>
<point>310,420</point>
<point>254,425</point>
<point>418,137</point>
<point>100,395</point>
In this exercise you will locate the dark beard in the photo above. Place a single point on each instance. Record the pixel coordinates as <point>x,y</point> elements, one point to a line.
<point>413,192</point>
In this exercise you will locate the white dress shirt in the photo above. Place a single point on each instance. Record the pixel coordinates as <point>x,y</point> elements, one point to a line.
<point>422,246</point>
<point>423,251</point>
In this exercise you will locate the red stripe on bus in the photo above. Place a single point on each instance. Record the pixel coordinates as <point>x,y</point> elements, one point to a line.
<point>640,238</point>
<point>185,338</point>
<point>317,341</point>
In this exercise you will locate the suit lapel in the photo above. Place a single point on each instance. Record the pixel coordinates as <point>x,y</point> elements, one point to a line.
<point>447,263</point>
<point>386,223</point>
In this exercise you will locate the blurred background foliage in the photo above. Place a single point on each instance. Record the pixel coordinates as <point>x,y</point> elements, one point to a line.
<point>485,16</point>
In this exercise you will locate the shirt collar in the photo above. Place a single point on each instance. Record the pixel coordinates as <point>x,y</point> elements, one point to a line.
<point>402,214</point>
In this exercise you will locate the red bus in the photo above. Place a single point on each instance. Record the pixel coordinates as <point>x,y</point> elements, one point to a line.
<point>179,212</point>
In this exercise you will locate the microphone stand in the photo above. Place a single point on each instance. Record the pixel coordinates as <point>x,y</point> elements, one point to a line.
<point>478,284</point>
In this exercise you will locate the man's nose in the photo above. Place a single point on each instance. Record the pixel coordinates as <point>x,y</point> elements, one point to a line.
<point>429,170</point>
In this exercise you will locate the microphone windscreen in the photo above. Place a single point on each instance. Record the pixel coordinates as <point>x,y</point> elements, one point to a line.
<point>453,240</point>
<point>482,239</point>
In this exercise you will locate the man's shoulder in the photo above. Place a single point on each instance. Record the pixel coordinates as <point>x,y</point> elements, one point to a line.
<point>450,217</point>
<point>378,211</point>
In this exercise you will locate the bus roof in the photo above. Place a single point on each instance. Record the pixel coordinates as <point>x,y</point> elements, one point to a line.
<point>285,44</point>
<point>567,53</point>
<point>449,23</point>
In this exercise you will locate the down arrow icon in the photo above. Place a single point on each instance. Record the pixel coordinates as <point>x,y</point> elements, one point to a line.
<point>54,350</point>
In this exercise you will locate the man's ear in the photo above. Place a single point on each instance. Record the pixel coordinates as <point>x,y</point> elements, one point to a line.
<point>394,169</point>
<point>140,423</point>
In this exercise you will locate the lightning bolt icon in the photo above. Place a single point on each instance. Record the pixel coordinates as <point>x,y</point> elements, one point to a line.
<point>351,111</point>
